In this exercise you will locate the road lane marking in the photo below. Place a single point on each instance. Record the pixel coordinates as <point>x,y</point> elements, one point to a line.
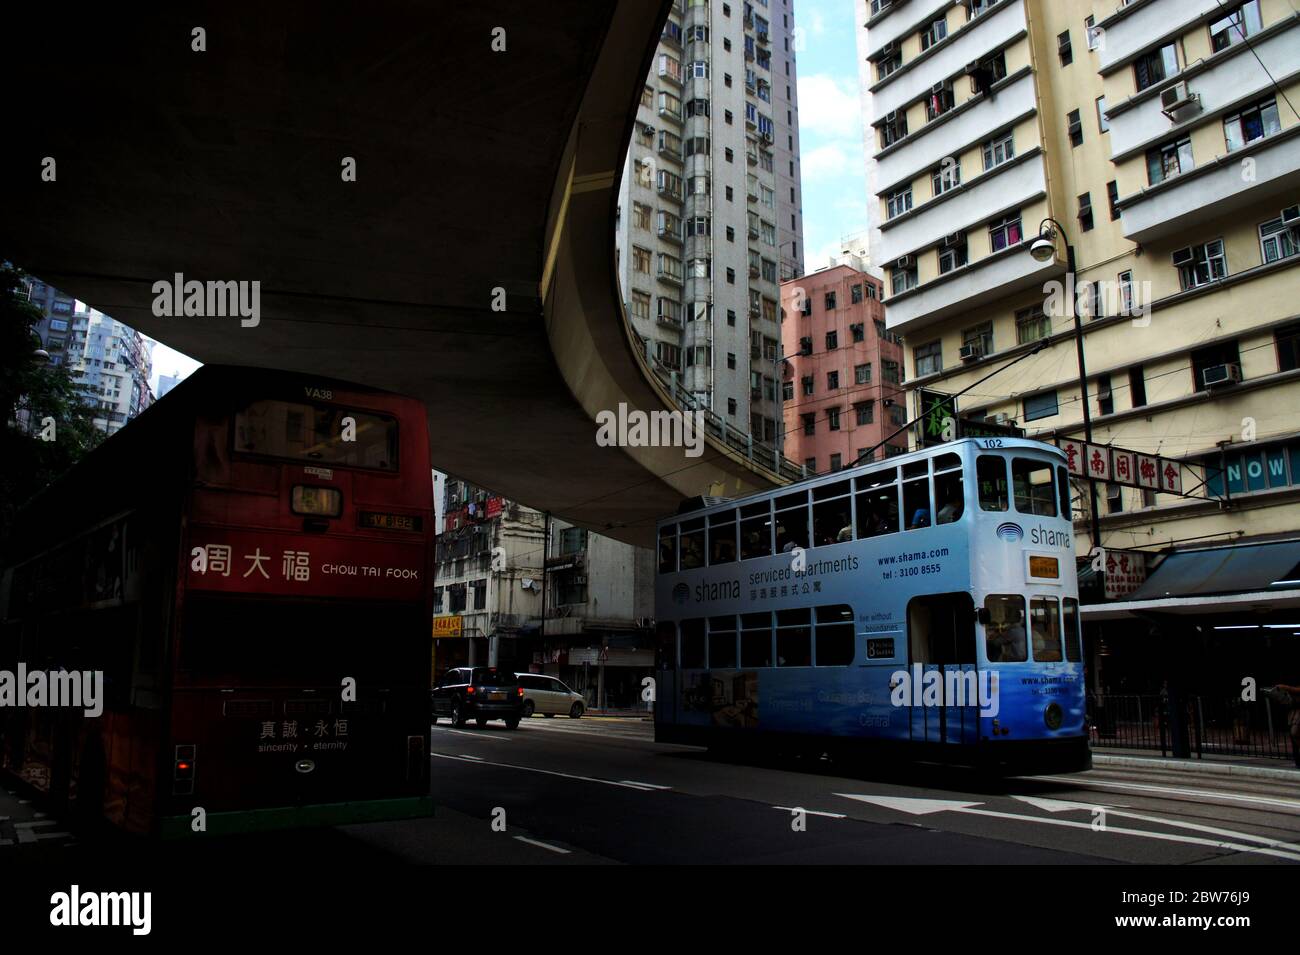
<point>479,735</point>
<point>1290,805</point>
<point>812,812</point>
<point>918,807</point>
<point>633,782</point>
<point>543,845</point>
<point>467,756</point>
<point>1053,805</point>
<point>641,787</point>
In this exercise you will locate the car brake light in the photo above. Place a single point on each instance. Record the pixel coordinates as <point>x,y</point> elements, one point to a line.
<point>469,689</point>
<point>520,690</point>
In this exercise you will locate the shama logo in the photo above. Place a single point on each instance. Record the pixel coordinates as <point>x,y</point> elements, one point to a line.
<point>681,594</point>
<point>1011,531</point>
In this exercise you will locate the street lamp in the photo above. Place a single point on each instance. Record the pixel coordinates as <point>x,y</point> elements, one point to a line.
<point>1043,249</point>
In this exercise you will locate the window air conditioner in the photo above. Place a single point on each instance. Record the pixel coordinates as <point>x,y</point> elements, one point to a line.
<point>1175,97</point>
<point>1000,418</point>
<point>953,239</point>
<point>1222,375</point>
<point>971,351</point>
<point>904,262</point>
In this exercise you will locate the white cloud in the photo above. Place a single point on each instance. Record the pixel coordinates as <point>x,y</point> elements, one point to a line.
<point>829,106</point>
<point>825,162</point>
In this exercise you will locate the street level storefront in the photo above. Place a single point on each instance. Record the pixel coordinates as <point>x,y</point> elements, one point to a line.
<point>1185,655</point>
<point>606,668</point>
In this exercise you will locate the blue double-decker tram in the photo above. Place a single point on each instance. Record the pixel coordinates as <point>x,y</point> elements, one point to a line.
<point>925,607</point>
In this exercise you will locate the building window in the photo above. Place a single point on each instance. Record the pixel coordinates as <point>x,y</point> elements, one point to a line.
<point>890,372</point>
<point>641,305</point>
<point>1152,67</point>
<point>1102,125</point>
<point>1032,324</point>
<point>1091,35</point>
<point>898,202</point>
<point>832,380</point>
<point>865,411</point>
<point>829,300</point>
<point>855,296</point>
<point>902,278</point>
<point>1137,386</point>
<point>670,356</point>
<point>1288,347</point>
<point>1126,293</point>
<point>933,33</point>
<point>731,317</point>
<point>998,150</point>
<point>1112,196</point>
<point>1241,22</point>
<point>1085,212</point>
<point>641,260</point>
<point>731,276</point>
<point>832,340</point>
<point>889,64</point>
<point>1064,49</point>
<point>809,423</point>
<point>1251,124</point>
<point>939,102</point>
<point>1004,233</point>
<point>858,331</point>
<point>1170,159</point>
<point>893,128</point>
<point>1041,406</point>
<point>833,419</point>
<point>731,359</point>
<point>1074,127</point>
<point>1105,397</point>
<point>947,176</point>
<point>807,382</point>
<point>1204,359</point>
<point>1201,264</point>
<point>787,391</point>
<point>1277,239</point>
<point>981,336</point>
<point>928,358</point>
<point>952,256</point>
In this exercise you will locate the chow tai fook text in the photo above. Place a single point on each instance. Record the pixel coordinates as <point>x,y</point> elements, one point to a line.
<point>219,559</point>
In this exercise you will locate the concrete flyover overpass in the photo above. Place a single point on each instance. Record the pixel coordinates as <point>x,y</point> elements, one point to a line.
<point>476,169</point>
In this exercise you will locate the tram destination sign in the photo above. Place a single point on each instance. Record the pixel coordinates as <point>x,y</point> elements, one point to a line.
<point>939,422</point>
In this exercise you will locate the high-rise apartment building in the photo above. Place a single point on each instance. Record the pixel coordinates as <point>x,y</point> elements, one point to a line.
<point>710,217</point>
<point>110,362</point>
<point>842,387</point>
<point>1162,139</point>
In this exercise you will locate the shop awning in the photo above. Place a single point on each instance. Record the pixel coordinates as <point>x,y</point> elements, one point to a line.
<point>1234,579</point>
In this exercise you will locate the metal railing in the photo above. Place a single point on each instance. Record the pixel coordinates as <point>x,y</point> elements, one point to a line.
<point>742,441</point>
<point>1216,726</point>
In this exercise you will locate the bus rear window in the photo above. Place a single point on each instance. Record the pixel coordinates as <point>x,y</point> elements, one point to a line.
<point>1034,486</point>
<point>299,431</point>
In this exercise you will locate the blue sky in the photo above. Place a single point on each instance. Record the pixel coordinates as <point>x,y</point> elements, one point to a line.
<point>830,127</point>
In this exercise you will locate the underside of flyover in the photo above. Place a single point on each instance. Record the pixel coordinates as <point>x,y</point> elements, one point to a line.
<point>476,169</point>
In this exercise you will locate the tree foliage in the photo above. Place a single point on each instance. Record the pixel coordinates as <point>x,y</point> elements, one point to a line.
<point>33,392</point>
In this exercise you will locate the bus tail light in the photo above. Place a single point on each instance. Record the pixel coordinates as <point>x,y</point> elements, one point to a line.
<point>183,770</point>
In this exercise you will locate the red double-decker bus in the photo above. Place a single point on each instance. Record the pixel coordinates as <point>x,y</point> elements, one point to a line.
<point>249,565</point>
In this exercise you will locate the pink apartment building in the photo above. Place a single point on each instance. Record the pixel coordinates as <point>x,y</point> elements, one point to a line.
<point>842,381</point>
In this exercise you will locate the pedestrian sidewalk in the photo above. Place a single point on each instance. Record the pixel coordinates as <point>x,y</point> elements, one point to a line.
<point>1258,767</point>
<point>610,712</point>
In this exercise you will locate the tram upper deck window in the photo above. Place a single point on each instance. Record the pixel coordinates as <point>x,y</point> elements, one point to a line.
<point>832,514</point>
<point>668,549</point>
<point>1045,624</point>
<point>791,521</point>
<point>1070,617</point>
<point>1004,628</point>
<point>949,493</point>
<point>692,544</point>
<point>877,496</point>
<point>1034,487</point>
<point>991,475</point>
<point>722,538</point>
<point>756,530</point>
<point>916,495</point>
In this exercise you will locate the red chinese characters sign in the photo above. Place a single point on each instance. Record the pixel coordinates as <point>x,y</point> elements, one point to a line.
<point>1075,456</point>
<point>264,562</point>
<point>1098,458</point>
<point>1119,466</point>
<point>1126,571</point>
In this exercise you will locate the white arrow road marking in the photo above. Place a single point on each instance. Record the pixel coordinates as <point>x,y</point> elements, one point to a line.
<point>1054,805</point>
<point>1288,805</point>
<point>919,807</point>
<point>812,812</point>
<point>543,845</point>
<point>642,787</point>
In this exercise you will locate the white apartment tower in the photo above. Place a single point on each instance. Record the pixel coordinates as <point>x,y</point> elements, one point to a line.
<point>710,217</point>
